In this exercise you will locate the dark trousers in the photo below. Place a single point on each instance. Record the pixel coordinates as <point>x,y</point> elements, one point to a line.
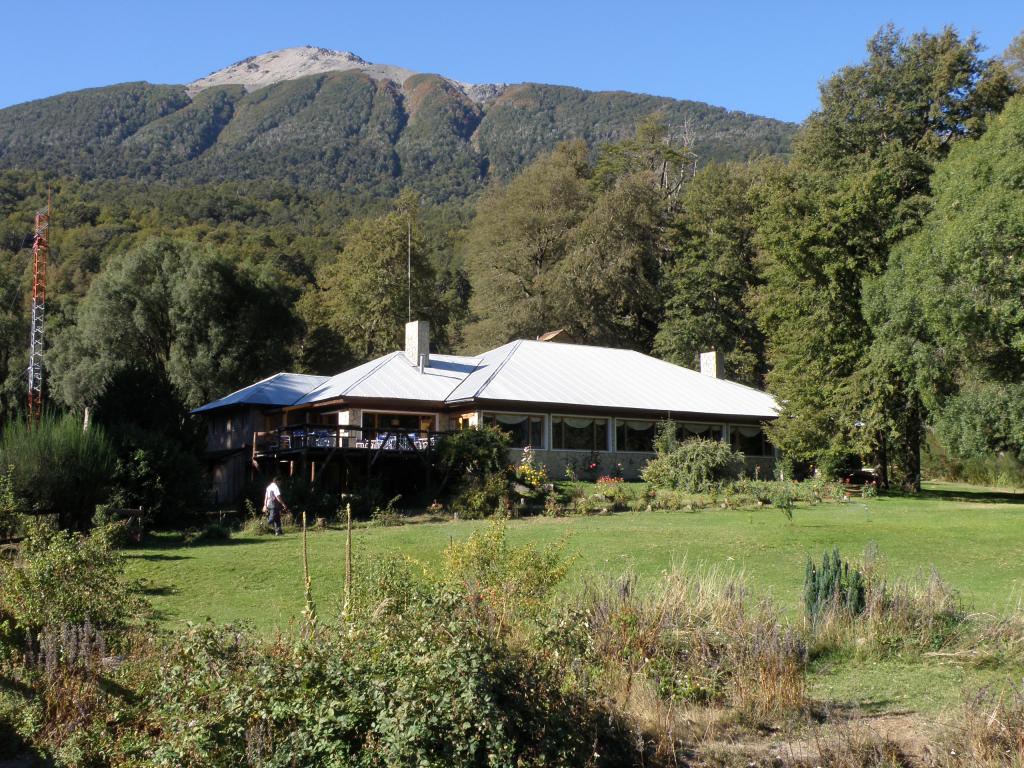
<point>274,517</point>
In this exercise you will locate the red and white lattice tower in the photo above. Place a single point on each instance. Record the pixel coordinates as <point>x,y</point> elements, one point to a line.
<point>40,252</point>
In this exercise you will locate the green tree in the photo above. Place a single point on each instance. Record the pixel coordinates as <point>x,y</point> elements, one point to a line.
<point>948,307</point>
<point>712,271</point>
<point>521,233</point>
<point>1013,59</point>
<point>858,185</point>
<point>606,289</point>
<point>361,299</point>
<point>181,312</point>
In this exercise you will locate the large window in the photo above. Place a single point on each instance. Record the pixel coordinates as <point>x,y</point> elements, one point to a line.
<point>688,430</point>
<point>378,424</point>
<point>750,441</point>
<point>633,435</point>
<point>579,433</point>
<point>523,430</point>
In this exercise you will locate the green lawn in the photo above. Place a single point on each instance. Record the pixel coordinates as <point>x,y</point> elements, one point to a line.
<point>974,538</point>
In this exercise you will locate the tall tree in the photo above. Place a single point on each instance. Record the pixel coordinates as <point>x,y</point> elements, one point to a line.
<point>711,273</point>
<point>950,305</point>
<point>858,184</point>
<point>182,314</point>
<point>361,300</point>
<point>521,233</point>
<point>606,290</point>
<point>1013,59</point>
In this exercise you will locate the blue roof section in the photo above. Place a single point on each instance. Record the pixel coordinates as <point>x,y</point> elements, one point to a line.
<point>280,389</point>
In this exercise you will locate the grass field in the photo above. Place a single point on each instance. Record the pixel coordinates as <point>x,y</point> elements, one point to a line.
<point>974,538</point>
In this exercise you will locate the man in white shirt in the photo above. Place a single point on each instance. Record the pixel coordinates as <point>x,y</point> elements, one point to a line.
<point>273,504</point>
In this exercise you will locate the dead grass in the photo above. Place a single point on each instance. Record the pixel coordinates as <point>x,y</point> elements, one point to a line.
<point>675,657</point>
<point>988,730</point>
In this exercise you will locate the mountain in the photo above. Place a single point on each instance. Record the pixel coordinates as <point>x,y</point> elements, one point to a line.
<point>329,119</point>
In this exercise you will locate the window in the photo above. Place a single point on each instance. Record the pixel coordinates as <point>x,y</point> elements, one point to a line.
<point>579,433</point>
<point>688,430</point>
<point>750,440</point>
<point>522,429</point>
<point>634,435</point>
<point>376,424</point>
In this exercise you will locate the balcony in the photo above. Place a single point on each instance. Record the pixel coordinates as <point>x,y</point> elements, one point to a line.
<point>307,438</point>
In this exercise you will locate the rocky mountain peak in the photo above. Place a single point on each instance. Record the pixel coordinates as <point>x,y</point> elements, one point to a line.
<point>292,63</point>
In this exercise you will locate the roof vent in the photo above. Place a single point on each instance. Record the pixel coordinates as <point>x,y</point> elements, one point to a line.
<point>417,342</point>
<point>712,364</point>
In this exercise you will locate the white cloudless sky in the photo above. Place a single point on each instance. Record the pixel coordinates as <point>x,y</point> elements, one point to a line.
<point>760,57</point>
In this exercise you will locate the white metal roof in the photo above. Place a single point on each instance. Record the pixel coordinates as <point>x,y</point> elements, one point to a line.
<point>578,375</point>
<point>393,376</point>
<point>547,373</point>
<point>280,389</point>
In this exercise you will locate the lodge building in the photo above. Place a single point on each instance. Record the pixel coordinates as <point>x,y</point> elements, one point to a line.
<point>594,409</point>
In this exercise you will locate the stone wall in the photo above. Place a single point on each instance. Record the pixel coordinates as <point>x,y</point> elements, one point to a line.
<point>628,463</point>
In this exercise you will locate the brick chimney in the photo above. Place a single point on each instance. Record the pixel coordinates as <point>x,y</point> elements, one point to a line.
<point>712,364</point>
<point>417,343</point>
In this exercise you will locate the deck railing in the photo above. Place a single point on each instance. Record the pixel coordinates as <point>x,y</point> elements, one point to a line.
<point>296,437</point>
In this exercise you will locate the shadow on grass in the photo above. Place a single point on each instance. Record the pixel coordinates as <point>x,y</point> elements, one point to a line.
<point>159,591</point>
<point>156,558</point>
<point>183,541</point>
<point>976,497</point>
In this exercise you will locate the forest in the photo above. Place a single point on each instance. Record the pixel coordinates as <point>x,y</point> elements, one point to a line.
<point>871,278</point>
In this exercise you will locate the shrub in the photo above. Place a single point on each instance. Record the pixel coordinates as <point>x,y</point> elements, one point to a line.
<point>482,498</point>
<point>832,586</point>
<point>666,438</point>
<point>155,473</point>
<point>60,578</point>
<point>478,451</point>
<point>10,520</point>
<point>528,473</point>
<point>695,465</point>
<point>863,615</point>
<point>418,676</point>
<point>387,515</point>
<point>502,583</point>
<point>993,469</point>
<point>57,467</point>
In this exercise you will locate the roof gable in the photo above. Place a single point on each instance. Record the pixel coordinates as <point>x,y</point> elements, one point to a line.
<point>281,389</point>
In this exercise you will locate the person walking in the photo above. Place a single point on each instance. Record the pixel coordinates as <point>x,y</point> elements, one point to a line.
<point>273,504</point>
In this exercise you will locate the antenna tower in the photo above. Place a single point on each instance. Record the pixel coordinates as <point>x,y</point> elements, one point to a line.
<point>40,252</point>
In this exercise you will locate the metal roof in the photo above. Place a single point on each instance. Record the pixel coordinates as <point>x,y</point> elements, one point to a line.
<point>547,373</point>
<point>280,389</point>
<point>601,377</point>
<point>393,376</point>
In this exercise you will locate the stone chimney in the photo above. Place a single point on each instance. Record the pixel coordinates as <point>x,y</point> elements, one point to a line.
<point>712,364</point>
<point>417,343</point>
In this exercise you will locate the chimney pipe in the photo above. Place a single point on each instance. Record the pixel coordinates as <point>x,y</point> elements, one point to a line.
<point>712,364</point>
<point>417,342</point>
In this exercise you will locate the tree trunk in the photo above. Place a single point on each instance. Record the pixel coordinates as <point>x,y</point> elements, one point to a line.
<point>883,460</point>
<point>910,448</point>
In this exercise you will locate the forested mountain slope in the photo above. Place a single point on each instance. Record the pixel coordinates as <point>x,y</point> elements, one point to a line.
<point>347,129</point>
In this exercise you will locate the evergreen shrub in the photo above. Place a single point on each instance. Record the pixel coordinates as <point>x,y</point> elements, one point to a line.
<point>695,465</point>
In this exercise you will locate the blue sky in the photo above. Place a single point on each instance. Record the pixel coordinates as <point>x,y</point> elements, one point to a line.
<point>760,57</point>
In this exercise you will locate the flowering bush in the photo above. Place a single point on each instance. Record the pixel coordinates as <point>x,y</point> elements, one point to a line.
<point>608,480</point>
<point>529,473</point>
